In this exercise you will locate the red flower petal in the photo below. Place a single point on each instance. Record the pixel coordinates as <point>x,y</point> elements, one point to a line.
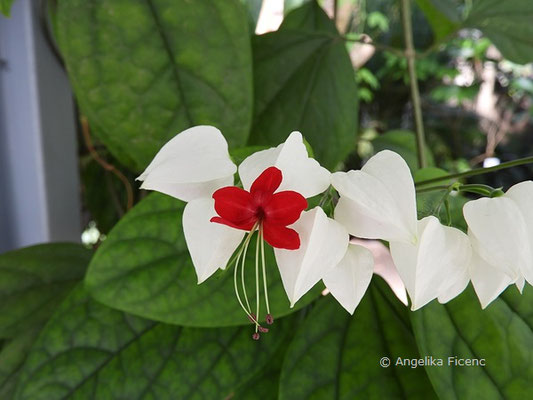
<point>234,205</point>
<point>281,237</point>
<point>267,182</point>
<point>284,208</point>
<point>245,226</point>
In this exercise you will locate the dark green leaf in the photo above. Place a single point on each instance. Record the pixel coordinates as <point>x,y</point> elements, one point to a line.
<point>145,70</point>
<point>143,267</point>
<point>508,24</point>
<point>309,17</point>
<point>254,8</point>
<point>304,80</point>
<point>403,143</point>
<point>438,13</point>
<point>501,335</point>
<point>34,280</point>
<point>336,356</point>
<point>89,351</point>
<point>12,358</point>
<point>5,7</point>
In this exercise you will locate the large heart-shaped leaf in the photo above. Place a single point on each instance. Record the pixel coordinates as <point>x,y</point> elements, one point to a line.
<point>507,24</point>
<point>303,80</point>
<point>34,280</point>
<point>143,267</point>
<point>501,335</point>
<point>89,351</point>
<point>337,356</point>
<point>145,70</point>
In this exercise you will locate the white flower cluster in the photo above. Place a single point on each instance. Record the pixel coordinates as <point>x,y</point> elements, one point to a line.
<point>376,202</point>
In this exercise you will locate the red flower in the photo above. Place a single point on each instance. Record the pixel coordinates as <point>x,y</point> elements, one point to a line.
<point>272,212</point>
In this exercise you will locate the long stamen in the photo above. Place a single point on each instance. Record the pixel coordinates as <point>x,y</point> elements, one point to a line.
<point>265,287</point>
<point>248,314</point>
<point>242,273</point>
<point>257,275</point>
<point>268,318</point>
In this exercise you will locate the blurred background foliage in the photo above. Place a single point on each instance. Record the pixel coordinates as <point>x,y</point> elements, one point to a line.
<point>336,71</point>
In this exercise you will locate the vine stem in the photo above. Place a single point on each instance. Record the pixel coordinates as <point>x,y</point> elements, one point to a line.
<point>410,55</point>
<point>478,171</point>
<point>86,133</point>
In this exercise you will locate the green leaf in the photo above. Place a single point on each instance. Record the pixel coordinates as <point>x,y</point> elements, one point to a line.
<point>290,5</point>
<point>501,335</point>
<point>336,356</point>
<point>144,70</point>
<point>441,15</point>
<point>434,202</point>
<point>34,280</point>
<point>507,24</point>
<point>12,358</point>
<point>143,267</point>
<point>254,8</point>
<point>309,17</point>
<point>403,143</point>
<point>5,7</point>
<point>304,80</point>
<point>88,350</point>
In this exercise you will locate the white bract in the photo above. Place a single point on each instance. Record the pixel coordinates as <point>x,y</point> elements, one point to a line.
<point>501,233</point>
<point>349,279</point>
<point>436,266</point>
<point>323,245</point>
<point>378,202</point>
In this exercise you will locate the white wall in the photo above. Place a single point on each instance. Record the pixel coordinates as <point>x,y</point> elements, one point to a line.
<point>39,183</point>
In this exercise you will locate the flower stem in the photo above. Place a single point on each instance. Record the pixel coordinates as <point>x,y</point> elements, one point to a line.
<point>410,55</point>
<point>478,171</point>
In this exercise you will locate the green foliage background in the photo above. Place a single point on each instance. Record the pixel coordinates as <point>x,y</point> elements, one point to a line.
<point>127,319</point>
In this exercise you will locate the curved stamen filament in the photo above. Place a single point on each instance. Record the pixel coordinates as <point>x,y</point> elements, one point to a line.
<point>239,254</point>
<point>258,300</point>
<point>264,271</point>
<point>242,272</point>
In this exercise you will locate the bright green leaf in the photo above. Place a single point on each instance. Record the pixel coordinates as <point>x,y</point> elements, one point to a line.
<point>88,350</point>
<point>145,70</point>
<point>290,5</point>
<point>337,356</point>
<point>5,7</point>
<point>34,280</point>
<point>143,267</point>
<point>502,335</point>
<point>304,80</point>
